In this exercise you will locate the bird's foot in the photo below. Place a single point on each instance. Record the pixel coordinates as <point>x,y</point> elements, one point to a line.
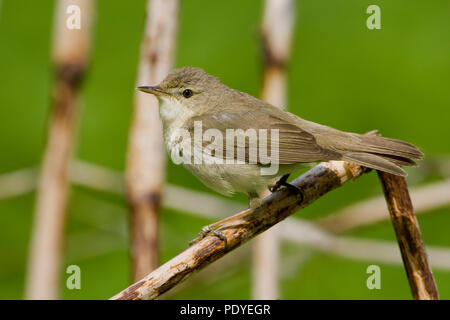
<point>214,228</point>
<point>209,230</point>
<point>283,183</point>
<point>280,183</point>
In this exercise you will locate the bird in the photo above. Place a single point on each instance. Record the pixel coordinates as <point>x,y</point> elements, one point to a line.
<point>189,96</point>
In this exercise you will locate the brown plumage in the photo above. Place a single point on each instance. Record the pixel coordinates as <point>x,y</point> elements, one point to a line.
<point>300,141</point>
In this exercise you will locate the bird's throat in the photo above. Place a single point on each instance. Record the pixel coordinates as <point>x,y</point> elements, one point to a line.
<point>172,111</point>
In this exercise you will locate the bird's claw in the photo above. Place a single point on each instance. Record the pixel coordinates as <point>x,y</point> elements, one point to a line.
<point>206,231</point>
<point>275,187</point>
<point>295,189</point>
<point>283,183</point>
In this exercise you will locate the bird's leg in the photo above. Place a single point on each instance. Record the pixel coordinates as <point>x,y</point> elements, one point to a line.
<point>207,230</point>
<point>214,228</point>
<point>283,183</point>
<point>254,200</point>
<point>280,183</point>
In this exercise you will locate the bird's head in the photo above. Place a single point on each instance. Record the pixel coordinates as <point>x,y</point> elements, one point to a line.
<point>191,87</point>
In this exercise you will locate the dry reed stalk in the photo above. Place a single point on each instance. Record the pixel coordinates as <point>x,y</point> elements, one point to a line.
<point>70,57</point>
<point>409,237</point>
<point>279,205</point>
<point>145,172</point>
<point>276,30</point>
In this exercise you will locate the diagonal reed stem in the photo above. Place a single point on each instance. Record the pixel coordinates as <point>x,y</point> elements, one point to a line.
<point>409,237</point>
<point>276,207</point>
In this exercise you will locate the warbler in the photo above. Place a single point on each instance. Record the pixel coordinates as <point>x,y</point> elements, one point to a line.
<point>190,98</point>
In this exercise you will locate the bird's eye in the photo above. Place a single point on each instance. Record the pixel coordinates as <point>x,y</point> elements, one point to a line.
<point>187,93</point>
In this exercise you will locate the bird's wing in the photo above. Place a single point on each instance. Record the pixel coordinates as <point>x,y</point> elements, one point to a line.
<point>294,144</point>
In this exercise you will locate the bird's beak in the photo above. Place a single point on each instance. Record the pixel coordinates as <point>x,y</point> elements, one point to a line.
<point>156,90</point>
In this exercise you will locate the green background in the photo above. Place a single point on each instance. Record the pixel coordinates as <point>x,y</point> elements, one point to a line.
<point>341,74</point>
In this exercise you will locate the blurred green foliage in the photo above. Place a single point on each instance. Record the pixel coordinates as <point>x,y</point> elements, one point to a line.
<point>341,74</point>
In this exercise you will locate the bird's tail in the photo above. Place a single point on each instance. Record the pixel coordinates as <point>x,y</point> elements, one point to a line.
<point>383,154</point>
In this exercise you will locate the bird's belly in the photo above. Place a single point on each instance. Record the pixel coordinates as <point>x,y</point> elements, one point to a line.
<point>228,179</point>
<point>223,178</point>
